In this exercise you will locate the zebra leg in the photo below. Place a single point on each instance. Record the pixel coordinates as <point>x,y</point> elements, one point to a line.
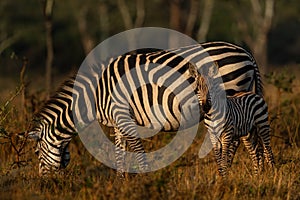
<point>136,145</point>
<point>226,139</point>
<point>217,147</point>
<point>264,134</point>
<point>120,150</point>
<point>231,151</point>
<point>253,146</point>
<point>259,150</point>
<point>128,130</point>
<point>218,156</point>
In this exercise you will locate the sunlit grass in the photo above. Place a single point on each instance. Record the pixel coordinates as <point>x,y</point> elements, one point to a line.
<point>187,178</point>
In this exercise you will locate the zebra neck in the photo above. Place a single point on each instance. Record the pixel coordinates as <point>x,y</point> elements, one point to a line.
<point>217,103</point>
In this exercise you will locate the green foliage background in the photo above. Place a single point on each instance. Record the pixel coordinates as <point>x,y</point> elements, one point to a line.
<point>24,22</point>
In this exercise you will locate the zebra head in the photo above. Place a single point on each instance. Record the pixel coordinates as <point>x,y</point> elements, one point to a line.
<point>51,148</point>
<point>202,88</point>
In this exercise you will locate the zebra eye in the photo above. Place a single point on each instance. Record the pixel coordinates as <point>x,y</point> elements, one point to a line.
<point>37,148</point>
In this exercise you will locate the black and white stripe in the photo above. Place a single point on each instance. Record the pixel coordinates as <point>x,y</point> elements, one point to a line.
<point>123,93</point>
<point>227,119</point>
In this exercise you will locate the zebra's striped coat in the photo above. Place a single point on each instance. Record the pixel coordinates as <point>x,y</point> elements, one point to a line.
<point>105,93</point>
<point>243,115</point>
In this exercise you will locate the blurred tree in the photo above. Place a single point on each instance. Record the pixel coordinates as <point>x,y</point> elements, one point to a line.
<point>96,20</point>
<point>192,17</point>
<point>183,17</point>
<point>6,38</point>
<point>104,20</point>
<point>284,37</point>
<point>256,26</point>
<point>205,20</point>
<point>129,22</point>
<point>77,26</point>
<point>176,16</point>
<point>90,15</point>
<point>22,24</point>
<point>48,13</point>
<point>88,42</point>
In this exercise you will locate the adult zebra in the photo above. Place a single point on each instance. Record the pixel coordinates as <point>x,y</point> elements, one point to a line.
<point>102,94</point>
<point>243,115</point>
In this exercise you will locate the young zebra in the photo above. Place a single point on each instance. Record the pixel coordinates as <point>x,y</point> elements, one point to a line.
<point>243,115</point>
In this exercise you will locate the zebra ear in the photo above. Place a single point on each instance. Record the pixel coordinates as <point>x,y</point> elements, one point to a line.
<point>34,135</point>
<point>193,70</point>
<point>213,70</point>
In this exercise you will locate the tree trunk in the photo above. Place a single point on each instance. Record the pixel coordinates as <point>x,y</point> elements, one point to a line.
<point>175,13</point>
<point>129,23</point>
<point>262,25</point>
<point>205,20</point>
<point>125,14</point>
<point>48,13</point>
<point>261,21</point>
<point>86,39</point>
<point>193,13</point>
<point>140,13</point>
<point>104,21</point>
<point>175,18</point>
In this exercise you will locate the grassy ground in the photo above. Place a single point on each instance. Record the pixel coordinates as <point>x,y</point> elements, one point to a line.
<point>187,178</point>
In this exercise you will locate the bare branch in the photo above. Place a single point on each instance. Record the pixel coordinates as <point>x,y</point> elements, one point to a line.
<point>23,87</point>
<point>8,42</point>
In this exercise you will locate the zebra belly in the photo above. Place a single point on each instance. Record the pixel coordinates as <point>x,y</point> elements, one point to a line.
<point>242,121</point>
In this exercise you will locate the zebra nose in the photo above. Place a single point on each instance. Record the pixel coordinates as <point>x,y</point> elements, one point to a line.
<point>64,164</point>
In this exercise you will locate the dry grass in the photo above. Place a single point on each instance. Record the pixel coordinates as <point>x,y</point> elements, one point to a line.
<point>187,178</point>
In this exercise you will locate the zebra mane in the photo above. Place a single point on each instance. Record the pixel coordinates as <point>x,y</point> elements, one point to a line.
<point>62,90</point>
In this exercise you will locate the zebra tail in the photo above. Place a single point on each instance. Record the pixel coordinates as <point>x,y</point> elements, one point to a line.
<point>259,88</point>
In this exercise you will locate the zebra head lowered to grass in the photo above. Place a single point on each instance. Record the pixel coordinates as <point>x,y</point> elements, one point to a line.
<point>227,119</point>
<point>53,129</point>
<point>165,74</point>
